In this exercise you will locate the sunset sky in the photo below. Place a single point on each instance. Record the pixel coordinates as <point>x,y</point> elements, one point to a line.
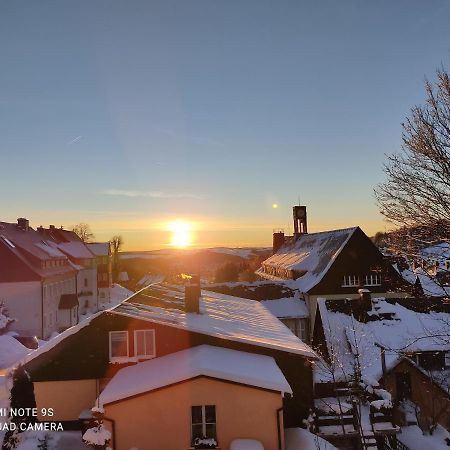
<point>131,115</point>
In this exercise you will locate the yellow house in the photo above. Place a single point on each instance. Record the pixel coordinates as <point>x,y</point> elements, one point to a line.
<point>202,394</point>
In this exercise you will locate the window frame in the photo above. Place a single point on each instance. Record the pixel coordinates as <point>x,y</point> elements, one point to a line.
<point>148,330</point>
<point>116,358</point>
<point>447,359</point>
<point>346,281</point>
<point>372,279</point>
<point>204,423</point>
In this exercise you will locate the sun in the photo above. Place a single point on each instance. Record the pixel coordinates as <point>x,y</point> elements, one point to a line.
<point>181,234</point>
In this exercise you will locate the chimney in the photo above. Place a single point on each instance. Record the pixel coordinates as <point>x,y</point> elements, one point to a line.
<point>40,229</point>
<point>300,222</point>
<point>52,227</point>
<point>192,294</point>
<point>278,240</point>
<point>23,223</point>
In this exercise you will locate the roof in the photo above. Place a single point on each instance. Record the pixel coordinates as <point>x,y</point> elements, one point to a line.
<point>439,251</point>
<point>30,250</point>
<point>306,258</point>
<point>285,308</point>
<point>223,316</point>
<point>241,367</point>
<point>99,248</point>
<point>68,301</point>
<point>77,250</point>
<point>398,325</point>
<point>429,283</point>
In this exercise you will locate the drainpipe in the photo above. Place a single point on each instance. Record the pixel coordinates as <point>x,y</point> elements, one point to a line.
<point>279,430</point>
<point>113,429</point>
<point>383,359</point>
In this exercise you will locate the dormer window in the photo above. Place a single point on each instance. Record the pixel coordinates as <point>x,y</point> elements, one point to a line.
<point>350,280</point>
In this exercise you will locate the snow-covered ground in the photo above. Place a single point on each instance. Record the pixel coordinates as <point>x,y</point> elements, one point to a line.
<point>414,438</point>
<point>63,440</point>
<point>300,439</point>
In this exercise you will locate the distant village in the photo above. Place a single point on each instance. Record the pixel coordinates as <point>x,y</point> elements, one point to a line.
<point>334,342</point>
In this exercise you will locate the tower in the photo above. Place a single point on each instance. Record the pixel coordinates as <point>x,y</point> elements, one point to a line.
<point>300,223</point>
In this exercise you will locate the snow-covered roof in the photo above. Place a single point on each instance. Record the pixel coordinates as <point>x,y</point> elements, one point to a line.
<point>429,283</point>
<point>306,258</point>
<point>284,308</point>
<point>217,362</point>
<point>439,251</point>
<point>390,324</point>
<point>99,248</point>
<point>76,250</point>
<point>223,316</point>
<point>11,351</point>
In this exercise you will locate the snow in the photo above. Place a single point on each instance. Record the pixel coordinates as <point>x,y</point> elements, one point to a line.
<point>99,248</point>
<point>97,435</point>
<point>429,285</point>
<point>284,308</point>
<point>310,255</point>
<point>240,251</point>
<point>328,405</point>
<point>300,439</point>
<point>439,252</point>
<point>241,367</point>
<point>223,316</point>
<point>11,351</point>
<point>414,438</point>
<point>76,250</point>
<point>407,331</point>
<point>50,250</point>
<point>246,444</point>
<point>149,279</point>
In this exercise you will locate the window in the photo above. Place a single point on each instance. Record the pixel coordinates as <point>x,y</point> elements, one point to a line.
<point>447,359</point>
<point>373,279</point>
<point>447,264</point>
<point>204,422</point>
<point>298,327</point>
<point>144,343</point>
<point>350,280</point>
<point>118,344</point>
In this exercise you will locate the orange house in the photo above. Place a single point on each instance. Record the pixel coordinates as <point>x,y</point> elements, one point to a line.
<point>202,394</point>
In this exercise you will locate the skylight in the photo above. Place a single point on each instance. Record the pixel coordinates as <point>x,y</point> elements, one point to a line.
<point>8,241</point>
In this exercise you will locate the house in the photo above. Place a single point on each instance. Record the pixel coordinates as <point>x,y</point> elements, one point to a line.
<point>203,392</point>
<point>36,281</point>
<point>157,321</point>
<point>396,348</point>
<point>83,260</point>
<point>329,264</point>
<point>293,312</point>
<point>103,259</point>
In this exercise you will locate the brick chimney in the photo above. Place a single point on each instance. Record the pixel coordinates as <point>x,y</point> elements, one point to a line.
<point>192,292</point>
<point>278,240</point>
<point>23,223</point>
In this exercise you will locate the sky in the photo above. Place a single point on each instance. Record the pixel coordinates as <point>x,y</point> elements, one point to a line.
<point>131,115</point>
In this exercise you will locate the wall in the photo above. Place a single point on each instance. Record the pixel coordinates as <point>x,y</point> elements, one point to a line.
<point>67,398</point>
<point>23,301</point>
<point>148,421</point>
<point>89,274</point>
<point>53,289</point>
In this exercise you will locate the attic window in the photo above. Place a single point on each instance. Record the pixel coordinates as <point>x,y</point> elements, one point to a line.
<point>350,280</point>
<point>447,359</point>
<point>372,279</point>
<point>8,241</point>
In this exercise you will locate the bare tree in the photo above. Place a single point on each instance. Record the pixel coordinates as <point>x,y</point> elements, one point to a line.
<point>116,243</point>
<point>83,230</point>
<point>417,189</point>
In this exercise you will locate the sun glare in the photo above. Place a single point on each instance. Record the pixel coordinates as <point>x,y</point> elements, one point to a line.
<point>181,234</point>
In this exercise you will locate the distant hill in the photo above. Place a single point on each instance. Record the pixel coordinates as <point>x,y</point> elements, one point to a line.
<point>205,262</point>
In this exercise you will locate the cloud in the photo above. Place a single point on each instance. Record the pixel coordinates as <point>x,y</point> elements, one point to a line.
<point>149,194</point>
<point>73,141</point>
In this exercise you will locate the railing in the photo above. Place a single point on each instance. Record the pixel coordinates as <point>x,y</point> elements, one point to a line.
<point>392,443</point>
